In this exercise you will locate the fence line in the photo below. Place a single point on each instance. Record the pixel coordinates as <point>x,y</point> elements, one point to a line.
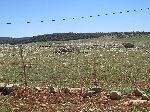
<point>83,17</point>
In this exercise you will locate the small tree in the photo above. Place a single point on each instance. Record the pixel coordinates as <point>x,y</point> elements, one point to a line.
<point>23,64</point>
<point>94,72</point>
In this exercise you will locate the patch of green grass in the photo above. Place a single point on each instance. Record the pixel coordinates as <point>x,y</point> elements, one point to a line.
<point>135,110</point>
<point>147,91</point>
<point>4,104</point>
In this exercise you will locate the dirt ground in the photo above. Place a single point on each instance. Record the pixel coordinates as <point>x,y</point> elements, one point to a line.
<point>34,100</point>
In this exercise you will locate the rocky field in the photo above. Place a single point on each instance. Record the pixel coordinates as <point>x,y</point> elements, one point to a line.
<point>91,75</point>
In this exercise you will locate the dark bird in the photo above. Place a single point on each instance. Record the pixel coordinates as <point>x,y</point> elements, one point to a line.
<point>8,23</point>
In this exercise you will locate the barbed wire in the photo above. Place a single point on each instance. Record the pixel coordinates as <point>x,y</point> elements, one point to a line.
<point>73,18</point>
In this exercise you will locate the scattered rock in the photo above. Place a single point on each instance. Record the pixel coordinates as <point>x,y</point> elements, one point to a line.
<point>75,90</point>
<point>64,49</point>
<point>115,95</point>
<point>96,89</point>
<point>137,92</point>
<point>128,45</point>
<point>53,90</point>
<point>43,105</point>
<point>135,102</point>
<point>2,84</point>
<point>12,85</point>
<point>145,97</point>
<point>88,94</point>
<point>66,90</point>
<point>38,88</point>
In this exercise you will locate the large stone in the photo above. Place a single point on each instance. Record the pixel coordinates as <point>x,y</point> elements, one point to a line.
<point>115,95</point>
<point>53,90</point>
<point>8,90</point>
<point>96,89</point>
<point>137,92</point>
<point>88,94</point>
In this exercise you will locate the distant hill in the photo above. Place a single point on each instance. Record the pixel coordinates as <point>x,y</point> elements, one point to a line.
<point>10,40</point>
<point>4,40</point>
<point>69,36</point>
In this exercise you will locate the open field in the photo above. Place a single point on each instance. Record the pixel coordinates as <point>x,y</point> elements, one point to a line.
<point>115,68</point>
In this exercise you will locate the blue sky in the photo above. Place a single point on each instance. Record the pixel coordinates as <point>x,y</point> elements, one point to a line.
<point>18,12</point>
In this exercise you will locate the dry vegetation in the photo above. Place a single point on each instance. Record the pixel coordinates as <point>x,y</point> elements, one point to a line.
<point>115,69</point>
